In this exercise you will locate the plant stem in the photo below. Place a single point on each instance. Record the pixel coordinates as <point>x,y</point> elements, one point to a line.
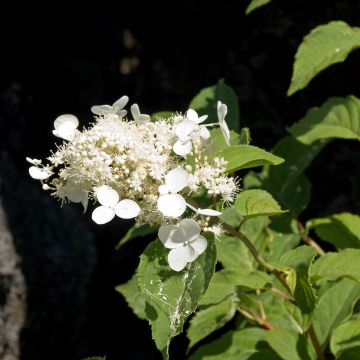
<point>283,295</point>
<point>257,256</point>
<point>315,342</point>
<point>310,241</point>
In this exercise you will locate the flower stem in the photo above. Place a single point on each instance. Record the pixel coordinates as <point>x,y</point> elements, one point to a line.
<point>257,256</point>
<point>315,342</point>
<point>310,241</point>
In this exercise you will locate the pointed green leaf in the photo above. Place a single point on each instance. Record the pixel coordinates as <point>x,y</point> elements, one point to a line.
<point>133,297</point>
<point>334,306</point>
<point>231,216</point>
<point>289,344</point>
<point>340,230</point>
<point>210,319</point>
<point>170,296</point>
<point>324,46</point>
<point>252,203</point>
<point>248,156</point>
<point>255,4</point>
<point>136,232</point>
<point>244,344</point>
<point>335,265</point>
<point>205,103</point>
<point>345,341</point>
<point>337,118</point>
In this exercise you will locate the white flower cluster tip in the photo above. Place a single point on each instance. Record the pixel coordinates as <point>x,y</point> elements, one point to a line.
<point>138,168</point>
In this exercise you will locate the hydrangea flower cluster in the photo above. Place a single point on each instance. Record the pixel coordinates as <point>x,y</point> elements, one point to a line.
<point>138,168</point>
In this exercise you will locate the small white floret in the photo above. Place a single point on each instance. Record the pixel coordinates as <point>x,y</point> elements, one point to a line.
<point>138,117</point>
<point>39,174</point>
<point>222,111</point>
<point>65,126</point>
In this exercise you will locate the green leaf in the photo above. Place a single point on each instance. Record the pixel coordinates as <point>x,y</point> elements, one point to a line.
<point>133,297</point>
<point>334,306</point>
<point>210,319</point>
<point>244,344</point>
<point>345,341</point>
<point>245,137</point>
<point>324,46</point>
<point>340,230</point>
<point>254,4</point>
<point>300,259</point>
<point>217,142</point>
<point>231,216</point>
<point>337,118</point>
<point>286,182</point>
<point>289,344</point>
<point>335,265</point>
<point>205,103</point>
<point>136,232</point>
<point>162,115</point>
<point>281,243</point>
<point>252,203</point>
<point>248,156</point>
<point>170,296</point>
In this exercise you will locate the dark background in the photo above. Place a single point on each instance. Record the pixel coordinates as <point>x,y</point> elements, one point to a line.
<point>64,56</point>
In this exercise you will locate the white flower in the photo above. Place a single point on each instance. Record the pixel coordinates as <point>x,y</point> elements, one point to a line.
<point>40,174</point>
<point>35,162</point>
<point>111,206</point>
<point>169,202</point>
<point>138,117</point>
<point>185,242</point>
<point>208,212</point>
<point>65,126</point>
<point>221,112</point>
<point>192,115</point>
<point>116,108</point>
<point>187,130</point>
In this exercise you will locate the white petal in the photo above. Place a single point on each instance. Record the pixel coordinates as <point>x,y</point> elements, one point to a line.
<point>107,196</point>
<point>184,129</point>
<point>121,103</point>
<point>190,228</point>
<point>163,189</point>
<point>208,212</point>
<point>33,161</point>
<point>101,109</point>
<point>102,215</point>
<point>39,174</point>
<point>182,148</point>
<point>204,132</point>
<point>66,119</point>
<point>127,209</point>
<point>122,113</point>
<point>135,111</point>
<point>225,130</point>
<point>199,245</point>
<point>171,236</point>
<point>179,257</point>
<point>172,205</point>
<point>202,119</point>
<point>192,115</point>
<point>176,179</point>
<point>65,131</point>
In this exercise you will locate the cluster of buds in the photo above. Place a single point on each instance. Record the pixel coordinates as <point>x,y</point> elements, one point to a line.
<point>137,168</point>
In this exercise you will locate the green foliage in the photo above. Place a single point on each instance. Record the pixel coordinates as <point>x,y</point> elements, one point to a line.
<point>335,265</point>
<point>254,4</point>
<point>248,156</point>
<point>171,297</point>
<point>136,232</point>
<point>252,203</point>
<point>242,344</point>
<point>325,45</point>
<point>334,307</point>
<point>205,102</point>
<point>337,118</point>
<point>340,230</point>
<point>345,341</point>
<point>210,319</point>
<point>162,115</point>
<point>289,344</point>
<point>133,297</point>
